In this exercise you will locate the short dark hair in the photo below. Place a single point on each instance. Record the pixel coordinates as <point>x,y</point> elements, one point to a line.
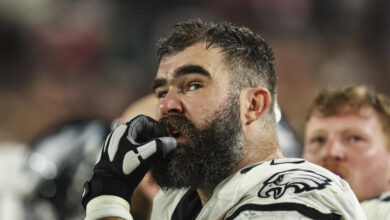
<point>247,55</point>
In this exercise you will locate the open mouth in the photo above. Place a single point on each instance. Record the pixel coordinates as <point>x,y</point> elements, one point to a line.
<point>175,133</point>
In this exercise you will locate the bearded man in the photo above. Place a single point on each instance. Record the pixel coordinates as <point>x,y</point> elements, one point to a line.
<point>214,150</point>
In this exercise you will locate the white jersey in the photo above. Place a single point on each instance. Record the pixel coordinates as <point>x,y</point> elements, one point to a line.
<point>378,208</point>
<point>278,189</point>
<point>15,184</point>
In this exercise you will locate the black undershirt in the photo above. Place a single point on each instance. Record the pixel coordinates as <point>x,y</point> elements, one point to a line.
<point>189,206</point>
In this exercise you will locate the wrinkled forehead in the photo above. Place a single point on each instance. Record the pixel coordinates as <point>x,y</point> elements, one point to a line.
<point>211,59</point>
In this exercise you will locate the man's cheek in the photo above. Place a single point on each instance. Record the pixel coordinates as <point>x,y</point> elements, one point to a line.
<point>310,157</point>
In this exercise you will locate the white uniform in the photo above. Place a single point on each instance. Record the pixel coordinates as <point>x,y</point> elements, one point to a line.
<point>378,208</point>
<point>278,189</point>
<point>15,183</point>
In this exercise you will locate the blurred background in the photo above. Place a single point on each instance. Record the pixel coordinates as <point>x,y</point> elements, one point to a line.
<point>70,66</point>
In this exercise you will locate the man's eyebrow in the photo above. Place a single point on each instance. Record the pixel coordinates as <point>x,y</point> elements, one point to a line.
<point>188,69</point>
<point>184,70</point>
<point>157,83</point>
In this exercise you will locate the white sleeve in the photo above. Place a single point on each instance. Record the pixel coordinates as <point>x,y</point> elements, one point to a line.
<point>108,206</point>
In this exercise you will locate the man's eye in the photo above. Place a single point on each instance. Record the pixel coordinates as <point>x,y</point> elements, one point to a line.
<point>318,140</point>
<point>354,138</point>
<point>194,86</point>
<point>161,94</point>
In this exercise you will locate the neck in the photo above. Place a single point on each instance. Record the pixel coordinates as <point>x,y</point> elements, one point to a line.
<point>205,194</point>
<point>254,153</point>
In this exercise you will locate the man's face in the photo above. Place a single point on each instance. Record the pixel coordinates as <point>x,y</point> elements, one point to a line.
<point>194,83</point>
<point>353,146</point>
<point>198,108</point>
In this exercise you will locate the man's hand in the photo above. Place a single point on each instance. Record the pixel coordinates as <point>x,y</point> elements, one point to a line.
<point>127,155</point>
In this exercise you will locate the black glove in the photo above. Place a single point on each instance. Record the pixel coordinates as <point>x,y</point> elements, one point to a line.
<point>126,156</point>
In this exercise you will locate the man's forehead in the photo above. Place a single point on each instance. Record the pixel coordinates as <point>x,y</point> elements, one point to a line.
<point>364,118</point>
<point>195,55</point>
<point>346,111</point>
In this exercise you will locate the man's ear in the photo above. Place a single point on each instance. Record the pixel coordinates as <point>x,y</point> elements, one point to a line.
<point>258,101</point>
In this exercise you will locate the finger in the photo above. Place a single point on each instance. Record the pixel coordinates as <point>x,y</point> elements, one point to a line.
<point>113,143</point>
<point>132,159</point>
<point>104,148</point>
<point>159,147</point>
<point>167,144</point>
<point>143,128</point>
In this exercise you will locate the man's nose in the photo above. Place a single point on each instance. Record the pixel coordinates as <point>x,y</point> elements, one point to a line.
<point>335,150</point>
<point>171,104</point>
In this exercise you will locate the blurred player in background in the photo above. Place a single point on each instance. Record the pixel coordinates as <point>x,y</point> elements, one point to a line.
<point>57,163</point>
<point>348,132</point>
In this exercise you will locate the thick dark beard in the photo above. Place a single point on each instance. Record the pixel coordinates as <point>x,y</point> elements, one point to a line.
<point>208,155</point>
